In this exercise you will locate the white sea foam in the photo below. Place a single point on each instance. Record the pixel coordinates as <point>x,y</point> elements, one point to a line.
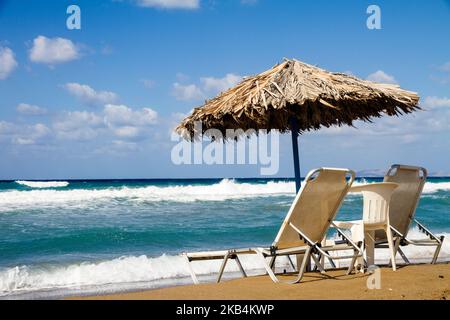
<point>224,190</point>
<point>122,270</point>
<point>134,272</point>
<point>432,187</point>
<point>43,184</point>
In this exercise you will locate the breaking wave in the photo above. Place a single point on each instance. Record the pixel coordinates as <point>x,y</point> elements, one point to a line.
<point>136,271</point>
<point>43,184</point>
<point>224,190</point>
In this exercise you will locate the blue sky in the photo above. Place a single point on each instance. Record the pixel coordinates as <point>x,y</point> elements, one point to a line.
<point>100,102</point>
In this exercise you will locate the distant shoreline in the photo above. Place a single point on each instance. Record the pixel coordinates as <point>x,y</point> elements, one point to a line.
<point>189,179</point>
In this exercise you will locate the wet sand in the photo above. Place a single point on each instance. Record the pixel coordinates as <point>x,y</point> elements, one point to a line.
<point>408,282</point>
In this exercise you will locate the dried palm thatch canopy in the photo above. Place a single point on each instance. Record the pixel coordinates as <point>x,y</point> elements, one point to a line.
<point>296,90</point>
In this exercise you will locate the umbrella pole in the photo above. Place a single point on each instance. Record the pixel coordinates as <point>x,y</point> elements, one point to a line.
<point>294,135</point>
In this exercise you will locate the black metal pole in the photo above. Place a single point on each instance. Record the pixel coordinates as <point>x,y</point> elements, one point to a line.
<point>294,135</point>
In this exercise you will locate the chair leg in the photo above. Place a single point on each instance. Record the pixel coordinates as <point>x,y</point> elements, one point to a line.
<point>272,263</point>
<point>352,263</point>
<point>402,254</point>
<point>241,268</point>
<point>436,253</point>
<point>267,266</point>
<point>272,275</point>
<point>318,264</point>
<point>191,270</point>
<point>391,246</point>
<point>303,266</point>
<point>222,267</point>
<point>291,263</point>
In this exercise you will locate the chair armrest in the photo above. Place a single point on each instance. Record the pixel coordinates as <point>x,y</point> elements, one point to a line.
<point>370,186</point>
<point>346,224</point>
<point>345,237</point>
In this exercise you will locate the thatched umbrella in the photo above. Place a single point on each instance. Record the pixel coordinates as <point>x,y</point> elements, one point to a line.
<point>297,97</point>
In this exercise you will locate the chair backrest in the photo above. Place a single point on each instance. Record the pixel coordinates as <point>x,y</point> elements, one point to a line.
<point>315,206</point>
<point>405,198</point>
<point>376,198</point>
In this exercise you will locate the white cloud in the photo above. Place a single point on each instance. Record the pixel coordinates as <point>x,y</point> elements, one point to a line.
<point>31,135</point>
<point>127,132</point>
<point>53,50</point>
<point>170,4</point>
<point>78,125</point>
<point>215,85</point>
<point>187,92</point>
<point>208,87</point>
<point>19,134</point>
<point>436,102</point>
<point>7,62</point>
<point>121,115</point>
<point>126,123</point>
<point>382,77</point>
<point>30,110</point>
<point>113,121</point>
<point>90,96</point>
<point>435,117</point>
<point>6,128</point>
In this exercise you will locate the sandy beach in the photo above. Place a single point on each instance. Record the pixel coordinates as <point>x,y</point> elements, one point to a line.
<point>407,283</point>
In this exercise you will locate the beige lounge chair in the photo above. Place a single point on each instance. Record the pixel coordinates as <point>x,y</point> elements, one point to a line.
<point>402,208</point>
<point>305,226</point>
<point>405,199</point>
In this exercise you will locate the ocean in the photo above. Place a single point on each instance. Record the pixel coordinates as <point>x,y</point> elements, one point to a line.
<point>75,237</point>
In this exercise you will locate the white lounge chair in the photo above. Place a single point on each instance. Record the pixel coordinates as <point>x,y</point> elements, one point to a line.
<point>402,208</point>
<point>305,226</point>
<point>405,199</point>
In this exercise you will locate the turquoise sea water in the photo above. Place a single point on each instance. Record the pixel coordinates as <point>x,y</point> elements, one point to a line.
<point>67,237</point>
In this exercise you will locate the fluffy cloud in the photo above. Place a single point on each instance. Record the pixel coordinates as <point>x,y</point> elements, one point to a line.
<point>30,110</point>
<point>78,125</point>
<point>7,62</point>
<point>127,123</point>
<point>187,92</point>
<point>31,135</point>
<point>23,134</point>
<point>121,115</point>
<point>6,128</point>
<point>117,121</point>
<point>209,86</point>
<point>435,117</point>
<point>382,77</point>
<point>53,50</point>
<point>215,85</point>
<point>436,102</point>
<point>90,96</point>
<point>170,4</point>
